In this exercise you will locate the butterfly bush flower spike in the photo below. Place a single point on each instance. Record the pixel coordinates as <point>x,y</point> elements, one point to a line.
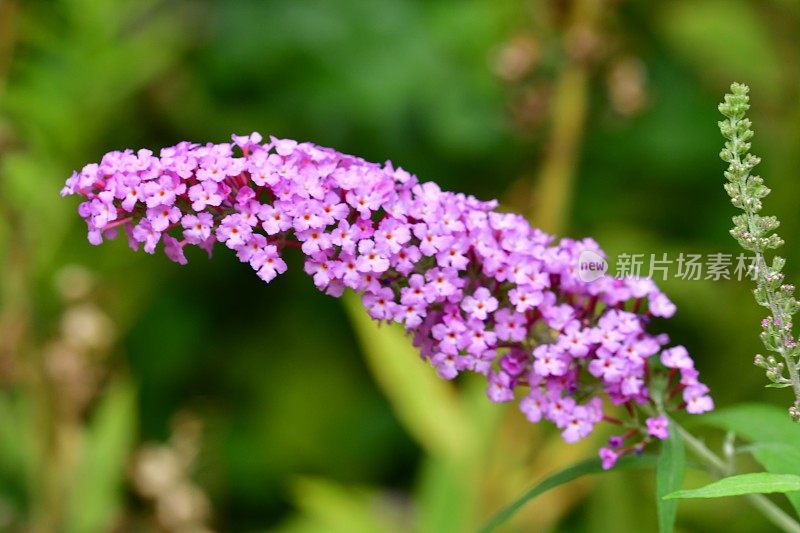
<point>477,289</point>
<point>754,233</point>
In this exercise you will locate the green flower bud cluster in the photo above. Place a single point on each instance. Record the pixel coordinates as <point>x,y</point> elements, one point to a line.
<point>794,411</point>
<point>774,369</point>
<point>755,233</point>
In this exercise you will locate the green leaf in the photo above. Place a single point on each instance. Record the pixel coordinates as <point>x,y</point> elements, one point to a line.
<point>329,506</point>
<point>756,422</point>
<point>446,490</point>
<point>780,459</point>
<point>21,457</point>
<point>670,469</point>
<point>758,483</point>
<point>426,405</point>
<point>16,436</point>
<point>101,472</point>
<point>571,473</point>
<point>445,496</point>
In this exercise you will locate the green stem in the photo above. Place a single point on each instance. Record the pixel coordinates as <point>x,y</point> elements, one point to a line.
<point>553,193</point>
<point>761,264</point>
<point>703,452</point>
<point>8,34</point>
<point>719,468</point>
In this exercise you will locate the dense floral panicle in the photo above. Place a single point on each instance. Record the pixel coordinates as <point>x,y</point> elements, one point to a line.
<point>480,290</point>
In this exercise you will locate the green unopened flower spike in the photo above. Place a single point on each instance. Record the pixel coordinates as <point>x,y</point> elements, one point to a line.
<point>755,233</point>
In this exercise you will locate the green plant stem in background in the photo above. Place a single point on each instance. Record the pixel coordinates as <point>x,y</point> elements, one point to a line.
<point>553,193</point>
<point>755,234</point>
<point>719,468</point>
<point>552,196</point>
<point>8,11</point>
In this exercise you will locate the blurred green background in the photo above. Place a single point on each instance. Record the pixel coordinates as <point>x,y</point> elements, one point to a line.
<point>137,395</point>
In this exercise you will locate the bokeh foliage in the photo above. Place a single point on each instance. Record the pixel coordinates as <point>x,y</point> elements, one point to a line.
<point>604,109</point>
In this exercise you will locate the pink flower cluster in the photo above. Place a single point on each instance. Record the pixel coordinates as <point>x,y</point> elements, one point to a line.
<point>480,290</point>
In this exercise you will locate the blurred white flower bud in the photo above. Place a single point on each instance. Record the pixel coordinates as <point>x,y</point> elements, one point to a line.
<point>182,507</point>
<point>73,282</point>
<point>156,470</point>
<point>85,326</point>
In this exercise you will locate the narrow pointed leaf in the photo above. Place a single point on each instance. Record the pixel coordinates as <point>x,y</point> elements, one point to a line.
<point>780,459</point>
<point>758,483</point>
<point>100,477</point>
<point>583,468</point>
<point>669,477</point>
